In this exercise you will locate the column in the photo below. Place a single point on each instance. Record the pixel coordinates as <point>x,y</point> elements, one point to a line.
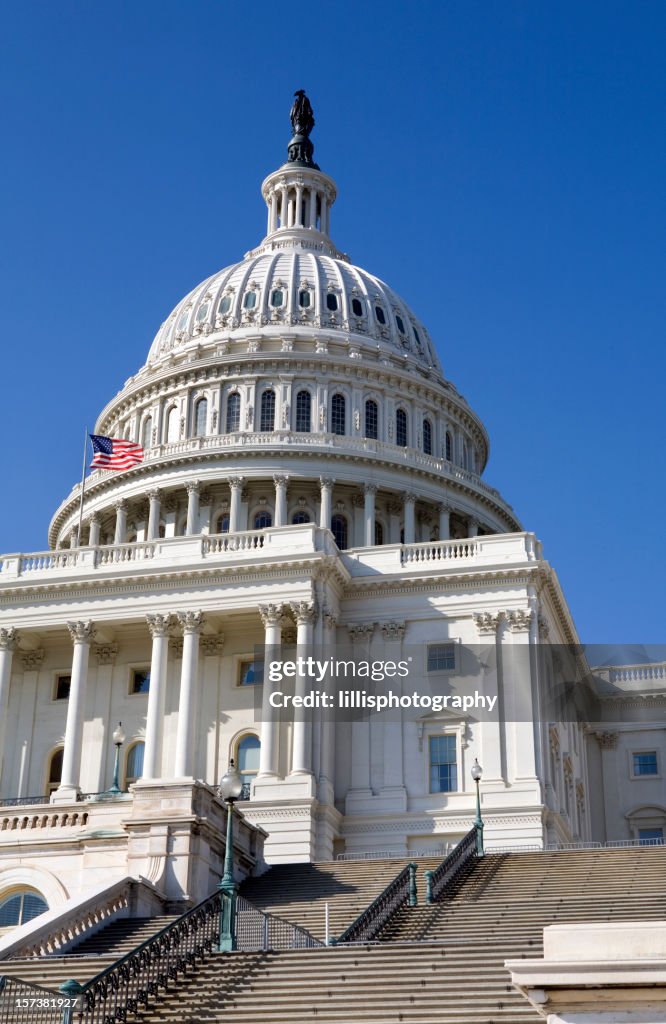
<point>369,514</point>
<point>9,639</point>
<point>121,522</point>
<point>272,221</point>
<point>516,662</point>
<point>159,630</point>
<point>326,507</point>
<point>155,509</point>
<point>409,504</point>
<point>393,781</point>
<point>313,209</point>
<point>298,219</point>
<point>444,521</point>
<point>280,500</point>
<point>327,754</point>
<point>271,616</point>
<point>361,634</point>
<point>82,634</point>
<point>191,623</point>
<point>192,527</point>
<point>305,614</point>
<point>95,526</point>
<point>394,509</point>
<point>472,527</point>
<point>23,723</point>
<point>323,223</point>
<point>236,485</point>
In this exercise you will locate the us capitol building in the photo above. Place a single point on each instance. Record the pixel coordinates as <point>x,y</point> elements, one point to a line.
<point>310,476</point>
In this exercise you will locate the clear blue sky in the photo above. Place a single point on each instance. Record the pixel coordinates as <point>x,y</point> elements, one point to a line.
<point>500,164</point>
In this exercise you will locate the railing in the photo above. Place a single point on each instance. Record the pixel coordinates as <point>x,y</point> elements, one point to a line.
<point>438,851</point>
<point>23,801</point>
<point>215,545</point>
<point>457,861</point>
<point>374,918</point>
<point>257,930</point>
<point>23,1003</point>
<point>439,551</point>
<point>57,819</point>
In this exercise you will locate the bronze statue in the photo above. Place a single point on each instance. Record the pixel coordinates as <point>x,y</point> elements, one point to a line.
<point>301,114</point>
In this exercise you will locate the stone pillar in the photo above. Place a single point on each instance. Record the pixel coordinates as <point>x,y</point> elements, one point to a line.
<point>192,527</point>
<point>155,509</point>
<point>284,215</point>
<point>313,208</point>
<point>23,720</point>
<point>191,623</point>
<point>393,782</point>
<point>82,634</point>
<point>298,221</point>
<point>394,509</point>
<point>159,630</point>
<point>95,526</point>
<point>121,522</point>
<point>9,639</point>
<point>271,616</point>
<point>369,514</point>
<point>272,221</point>
<point>305,614</point>
<point>472,527</point>
<point>280,500</point>
<point>326,507</point>
<point>360,633</point>
<point>327,754</point>
<point>444,521</point>
<point>236,485</point>
<point>409,504</point>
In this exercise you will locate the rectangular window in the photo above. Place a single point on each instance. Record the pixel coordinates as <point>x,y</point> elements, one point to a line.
<point>650,836</point>
<point>249,673</point>
<point>443,764</point>
<point>441,657</point>
<point>645,763</point>
<point>62,685</point>
<point>140,680</point>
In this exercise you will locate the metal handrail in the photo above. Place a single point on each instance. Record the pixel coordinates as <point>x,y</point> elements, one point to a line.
<point>24,1003</point>
<point>369,923</point>
<point>258,930</point>
<point>460,857</point>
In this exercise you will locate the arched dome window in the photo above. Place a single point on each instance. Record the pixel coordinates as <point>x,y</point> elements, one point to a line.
<point>248,750</point>
<point>338,414</point>
<point>417,339</point>
<point>20,907</point>
<point>427,437</point>
<point>225,305</point>
<point>304,298</point>
<point>371,419</point>
<point>303,412</point>
<point>300,517</point>
<point>250,300</point>
<point>134,763</point>
<point>201,417</point>
<point>400,323</point>
<point>357,307</point>
<point>332,302</point>
<point>379,533</point>
<point>222,523</point>
<point>182,320</point>
<point>173,425</point>
<point>55,771</point>
<point>339,531</point>
<point>263,521</point>
<point>267,421</point>
<point>202,312</point>
<point>380,314</point>
<point>448,446</point>
<point>401,428</point>
<point>147,433</point>
<point>277,298</point>
<point>233,412</point>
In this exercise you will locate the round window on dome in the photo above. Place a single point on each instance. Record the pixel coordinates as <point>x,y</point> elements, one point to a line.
<point>304,298</point>
<point>203,312</point>
<point>182,320</point>
<point>379,313</point>
<point>401,326</point>
<point>250,300</point>
<point>277,298</point>
<point>332,302</point>
<point>357,307</point>
<point>225,305</point>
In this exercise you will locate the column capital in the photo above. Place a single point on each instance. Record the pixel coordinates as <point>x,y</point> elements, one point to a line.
<point>271,614</point>
<point>330,618</point>
<point>192,486</point>
<point>120,505</point>
<point>170,502</point>
<point>81,632</point>
<point>370,489</point>
<point>326,481</point>
<point>443,507</point>
<point>205,496</point>
<point>235,481</point>
<point>105,653</point>
<point>409,496</point>
<point>212,646</point>
<point>360,631</point>
<point>487,623</point>
<point>519,619</point>
<point>159,625</point>
<point>191,622</point>
<point>154,494</point>
<point>280,481</point>
<point>394,508</point>
<point>358,501</point>
<point>32,660</point>
<point>393,630</point>
<point>94,517</point>
<point>305,612</point>
<point>9,639</point>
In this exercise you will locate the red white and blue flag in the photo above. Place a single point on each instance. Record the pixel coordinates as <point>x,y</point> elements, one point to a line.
<point>114,453</point>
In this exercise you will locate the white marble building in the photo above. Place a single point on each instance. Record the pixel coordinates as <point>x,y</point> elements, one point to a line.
<point>308,470</point>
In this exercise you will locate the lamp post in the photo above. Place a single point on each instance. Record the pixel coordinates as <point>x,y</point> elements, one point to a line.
<point>118,739</point>
<point>477,772</point>
<point>231,789</point>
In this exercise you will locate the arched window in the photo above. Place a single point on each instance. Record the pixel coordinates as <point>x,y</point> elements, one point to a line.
<point>147,433</point>
<point>21,907</point>
<point>427,437</point>
<point>401,428</point>
<point>263,520</point>
<point>300,517</point>
<point>173,425</point>
<point>399,322</point>
<point>222,524</point>
<point>371,419</point>
<point>233,412</point>
<point>448,451</point>
<point>339,531</point>
<point>303,413</point>
<point>332,302</point>
<point>55,771</point>
<point>134,763</point>
<point>267,421</point>
<point>338,414</point>
<point>379,534</point>
<point>277,298</point>
<point>247,761</point>
<point>381,316</point>
<point>250,300</point>
<point>201,417</point>
<point>304,298</point>
<point>225,305</point>
<point>357,307</point>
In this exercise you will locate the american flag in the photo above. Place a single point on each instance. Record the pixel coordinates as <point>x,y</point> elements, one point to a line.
<point>114,453</point>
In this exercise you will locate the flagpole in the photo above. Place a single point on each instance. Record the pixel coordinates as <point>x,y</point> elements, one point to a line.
<point>83,487</point>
